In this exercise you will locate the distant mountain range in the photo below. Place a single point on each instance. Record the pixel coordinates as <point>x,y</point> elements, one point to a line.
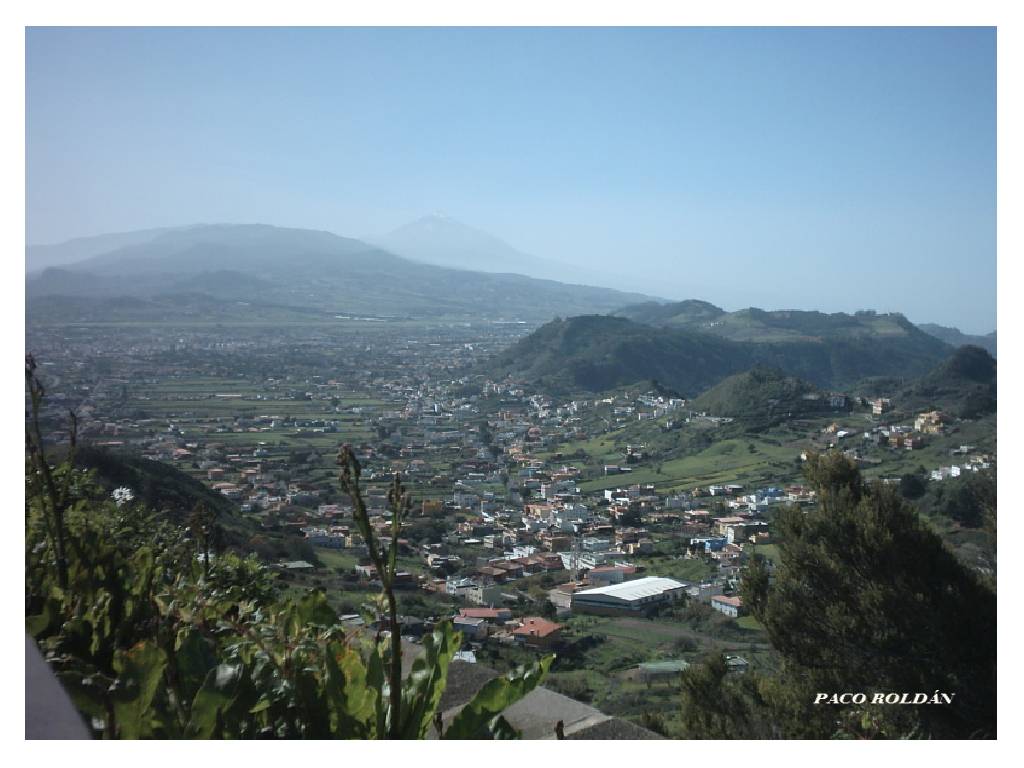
<point>445,242</point>
<point>957,339</point>
<point>307,270</point>
<point>595,353</point>
<point>39,257</point>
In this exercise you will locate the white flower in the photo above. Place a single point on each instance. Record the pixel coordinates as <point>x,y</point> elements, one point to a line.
<point>122,496</point>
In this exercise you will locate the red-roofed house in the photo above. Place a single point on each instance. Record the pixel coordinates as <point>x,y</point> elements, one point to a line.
<point>538,633</point>
<point>730,606</point>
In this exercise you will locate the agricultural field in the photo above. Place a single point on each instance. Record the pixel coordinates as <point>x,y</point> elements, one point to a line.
<point>728,461</point>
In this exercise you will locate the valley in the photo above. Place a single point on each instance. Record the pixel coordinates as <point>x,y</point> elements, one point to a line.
<point>635,479</point>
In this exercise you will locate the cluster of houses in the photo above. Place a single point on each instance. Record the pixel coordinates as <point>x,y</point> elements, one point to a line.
<point>926,426</point>
<point>974,462</point>
<point>497,625</point>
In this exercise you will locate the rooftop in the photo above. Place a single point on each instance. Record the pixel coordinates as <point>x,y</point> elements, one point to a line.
<point>535,626</point>
<point>728,600</point>
<point>484,613</point>
<point>648,586</point>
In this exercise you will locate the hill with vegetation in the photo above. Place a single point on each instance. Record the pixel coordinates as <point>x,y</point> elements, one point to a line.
<point>172,495</point>
<point>690,313</point>
<point>761,393</point>
<point>596,353</point>
<point>964,385</point>
<point>164,489</point>
<point>157,485</point>
<point>753,324</point>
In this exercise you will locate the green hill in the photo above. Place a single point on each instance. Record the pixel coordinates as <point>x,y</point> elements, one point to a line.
<point>692,312</point>
<point>595,353</point>
<point>774,326</point>
<point>964,385</point>
<point>761,393</point>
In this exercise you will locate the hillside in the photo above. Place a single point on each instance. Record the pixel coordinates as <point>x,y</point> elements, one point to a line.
<point>159,486</point>
<point>964,385</point>
<point>594,353</point>
<point>690,313</point>
<point>761,393</point>
<point>308,270</point>
<point>759,325</point>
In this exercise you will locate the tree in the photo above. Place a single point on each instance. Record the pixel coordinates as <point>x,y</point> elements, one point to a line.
<point>548,610</point>
<point>912,486</point>
<point>717,705</point>
<point>867,598</point>
<point>969,499</point>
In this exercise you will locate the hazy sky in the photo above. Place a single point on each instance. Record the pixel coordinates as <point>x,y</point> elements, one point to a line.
<point>833,169</point>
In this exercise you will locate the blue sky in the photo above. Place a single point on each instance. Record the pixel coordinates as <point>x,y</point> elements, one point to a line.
<point>832,169</point>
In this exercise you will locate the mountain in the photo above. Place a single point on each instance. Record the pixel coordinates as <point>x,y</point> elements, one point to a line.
<point>598,352</point>
<point>39,257</point>
<point>964,384</point>
<point>594,353</point>
<point>954,337</point>
<point>760,393</point>
<point>308,271</point>
<point>445,242</point>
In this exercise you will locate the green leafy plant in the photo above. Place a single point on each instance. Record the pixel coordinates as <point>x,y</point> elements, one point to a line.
<point>151,641</point>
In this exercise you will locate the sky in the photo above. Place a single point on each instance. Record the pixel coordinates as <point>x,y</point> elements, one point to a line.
<point>834,169</point>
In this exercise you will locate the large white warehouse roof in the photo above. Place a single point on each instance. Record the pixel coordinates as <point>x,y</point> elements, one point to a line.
<point>648,586</point>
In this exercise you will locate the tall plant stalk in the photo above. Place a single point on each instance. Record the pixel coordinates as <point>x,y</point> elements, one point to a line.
<point>386,563</point>
<point>55,494</point>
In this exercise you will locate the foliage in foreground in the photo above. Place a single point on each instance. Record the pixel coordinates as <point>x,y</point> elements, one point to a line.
<point>149,646</point>
<point>154,635</point>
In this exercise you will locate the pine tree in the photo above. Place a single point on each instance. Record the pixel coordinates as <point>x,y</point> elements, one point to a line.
<point>867,598</point>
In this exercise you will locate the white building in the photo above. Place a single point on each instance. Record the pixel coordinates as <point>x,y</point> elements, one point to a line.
<point>730,606</point>
<point>634,596</point>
